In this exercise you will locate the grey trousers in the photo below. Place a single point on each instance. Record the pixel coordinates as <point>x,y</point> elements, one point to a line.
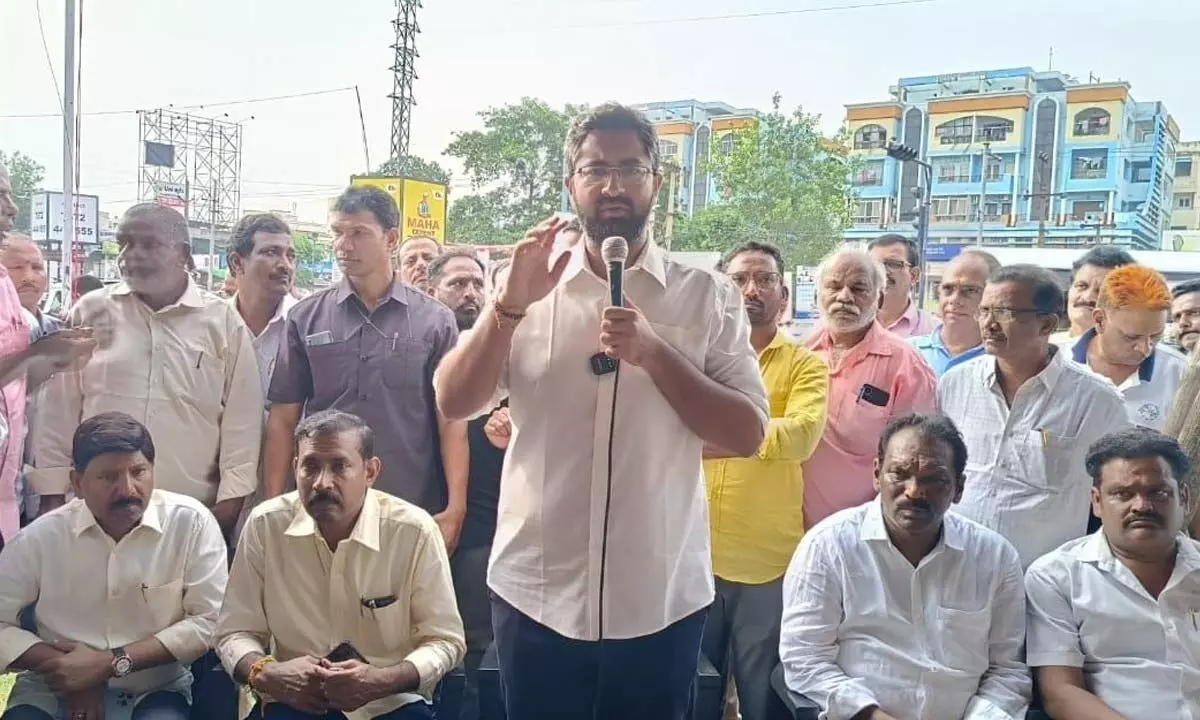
<point>741,640</point>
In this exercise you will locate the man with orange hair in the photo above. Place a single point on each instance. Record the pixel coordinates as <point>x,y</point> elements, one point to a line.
<point>1130,316</point>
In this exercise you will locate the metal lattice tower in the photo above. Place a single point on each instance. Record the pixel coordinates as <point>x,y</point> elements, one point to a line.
<point>206,167</point>
<point>403,73</point>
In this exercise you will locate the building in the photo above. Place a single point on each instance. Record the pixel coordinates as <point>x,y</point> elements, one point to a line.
<point>688,131</point>
<point>1184,231</point>
<point>1069,164</point>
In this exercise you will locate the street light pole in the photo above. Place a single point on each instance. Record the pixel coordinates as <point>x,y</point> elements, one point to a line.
<point>67,247</point>
<point>924,195</point>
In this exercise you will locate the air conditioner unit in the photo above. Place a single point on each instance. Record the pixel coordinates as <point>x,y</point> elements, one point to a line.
<point>1093,218</point>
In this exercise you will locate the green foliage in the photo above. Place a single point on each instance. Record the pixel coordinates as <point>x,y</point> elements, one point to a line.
<point>26,175</point>
<point>415,168</point>
<point>308,250</point>
<point>515,165</point>
<point>781,182</point>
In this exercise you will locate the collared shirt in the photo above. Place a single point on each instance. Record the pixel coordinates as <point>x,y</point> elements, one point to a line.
<point>548,550</point>
<point>1139,655</point>
<point>14,338</point>
<point>935,352</point>
<point>41,325</point>
<point>1025,464</point>
<point>862,626</point>
<point>165,579</point>
<point>187,372</point>
<point>840,472</point>
<point>377,365</point>
<point>756,504</point>
<point>1150,391</point>
<point>386,590</point>
<point>914,321</point>
<point>266,343</point>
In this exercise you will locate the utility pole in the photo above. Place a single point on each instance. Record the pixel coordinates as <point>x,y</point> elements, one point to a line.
<point>983,169</point>
<point>212,234</point>
<point>67,248</point>
<point>669,223</point>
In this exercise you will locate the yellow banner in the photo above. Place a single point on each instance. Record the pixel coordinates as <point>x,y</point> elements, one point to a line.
<point>391,186</point>
<point>424,211</point>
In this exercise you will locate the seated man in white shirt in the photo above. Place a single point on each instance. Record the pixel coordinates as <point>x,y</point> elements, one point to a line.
<point>898,610</point>
<point>348,587</point>
<point>1113,616</point>
<point>127,582</point>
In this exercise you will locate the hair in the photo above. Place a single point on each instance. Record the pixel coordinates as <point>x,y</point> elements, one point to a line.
<point>752,246</point>
<point>1105,256</point>
<point>610,117</point>
<point>936,427</point>
<point>1134,287</point>
<point>497,267</point>
<point>241,238</point>
<point>1133,443</point>
<point>438,266</point>
<point>1186,287</point>
<point>364,198</point>
<point>988,259</point>
<point>574,225</point>
<point>421,237</point>
<point>110,432</point>
<point>84,284</point>
<point>328,423</point>
<point>175,223</point>
<point>874,269</point>
<point>910,247</point>
<point>1048,296</point>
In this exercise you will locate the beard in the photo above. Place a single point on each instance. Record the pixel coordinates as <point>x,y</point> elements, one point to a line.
<point>466,316</point>
<point>629,227</point>
<point>846,322</point>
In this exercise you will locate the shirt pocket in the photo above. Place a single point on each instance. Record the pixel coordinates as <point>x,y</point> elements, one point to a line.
<point>333,367</point>
<point>1047,458</point>
<point>195,374</point>
<point>858,425</point>
<point>964,638</point>
<point>164,603</point>
<point>383,629</point>
<point>404,364</point>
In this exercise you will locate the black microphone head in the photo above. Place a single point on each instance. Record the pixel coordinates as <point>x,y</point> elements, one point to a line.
<point>614,249</point>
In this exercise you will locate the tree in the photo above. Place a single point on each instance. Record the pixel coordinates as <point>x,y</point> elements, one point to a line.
<point>26,175</point>
<point>781,181</point>
<point>515,164</point>
<point>309,252</point>
<point>415,168</point>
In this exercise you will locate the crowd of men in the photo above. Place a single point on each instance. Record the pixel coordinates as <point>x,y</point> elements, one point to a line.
<point>341,498</point>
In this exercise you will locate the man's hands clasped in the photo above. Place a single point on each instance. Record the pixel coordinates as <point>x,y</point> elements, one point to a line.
<point>316,685</point>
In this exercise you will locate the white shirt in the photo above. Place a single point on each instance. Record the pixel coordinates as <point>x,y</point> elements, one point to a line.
<point>1148,392</point>
<point>862,626</point>
<point>1025,464</point>
<point>546,557</point>
<point>1139,655</point>
<point>165,579</point>
<point>266,343</point>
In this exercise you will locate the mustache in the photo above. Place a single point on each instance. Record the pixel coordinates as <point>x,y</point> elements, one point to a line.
<point>918,505</point>
<point>1153,518</point>
<point>325,498</point>
<point>1084,304</point>
<point>842,308</point>
<point>125,502</point>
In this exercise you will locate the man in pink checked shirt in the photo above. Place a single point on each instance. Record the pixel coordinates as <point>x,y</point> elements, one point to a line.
<point>874,376</point>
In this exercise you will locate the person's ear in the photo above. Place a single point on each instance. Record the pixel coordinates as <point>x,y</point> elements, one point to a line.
<point>76,483</point>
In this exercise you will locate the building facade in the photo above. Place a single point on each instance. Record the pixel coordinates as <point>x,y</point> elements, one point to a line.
<point>1068,164</point>
<point>1184,231</point>
<point>689,132</point>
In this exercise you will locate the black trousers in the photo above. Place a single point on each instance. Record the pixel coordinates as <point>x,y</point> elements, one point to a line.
<point>275,711</point>
<point>546,675</point>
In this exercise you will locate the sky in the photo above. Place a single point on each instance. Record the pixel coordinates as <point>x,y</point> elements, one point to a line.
<point>474,54</point>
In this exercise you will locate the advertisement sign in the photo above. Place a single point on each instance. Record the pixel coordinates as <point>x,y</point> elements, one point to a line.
<point>804,299</point>
<point>172,196</point>
<point>47,218</point>
<point>422,205</point>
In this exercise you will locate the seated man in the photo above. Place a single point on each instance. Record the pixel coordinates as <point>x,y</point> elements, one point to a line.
<point>1112,616</point>
<point>896,609</point>
<point>127,582</point>
<point>349,588</point>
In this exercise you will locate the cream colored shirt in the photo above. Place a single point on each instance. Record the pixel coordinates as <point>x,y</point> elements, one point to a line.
<point>550,534</point>
<point>187,372</point>
<point>164,579</point>
<point>289,592</point>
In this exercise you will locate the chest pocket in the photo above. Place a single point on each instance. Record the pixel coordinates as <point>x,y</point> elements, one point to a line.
<point>857,424</point>
<point>404,364</point>
<point>193,373</point>
<point>333,366</point>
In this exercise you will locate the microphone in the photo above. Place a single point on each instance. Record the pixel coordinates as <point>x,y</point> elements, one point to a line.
<point>614,251</point>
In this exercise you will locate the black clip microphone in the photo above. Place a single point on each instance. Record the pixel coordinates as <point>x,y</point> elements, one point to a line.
<point>613,251</point>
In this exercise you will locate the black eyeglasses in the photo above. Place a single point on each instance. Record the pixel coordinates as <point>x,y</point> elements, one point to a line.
<point>600,174</point>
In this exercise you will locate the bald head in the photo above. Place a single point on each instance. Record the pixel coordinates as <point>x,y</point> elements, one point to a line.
<point>961,291</point>
<point>23,259</point>
<point>8,205</point>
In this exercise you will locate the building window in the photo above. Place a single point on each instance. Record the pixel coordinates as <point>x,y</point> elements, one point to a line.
<point>868,212</point>
<point>992,129</point>
<point>870,174</point>
<point>727,144</point>
<point>1087,211</point>
<point>1183,167</point>
<point>951,209</point>
<point>1089,165</point>
<point>953,169</point>
<point>1183,201</point>
<point>668,149</point>
<point>1140,171</point>
<point>870,137</point>
<point>1092,121</point>
<point>997,168</point>
<point>956,132</point>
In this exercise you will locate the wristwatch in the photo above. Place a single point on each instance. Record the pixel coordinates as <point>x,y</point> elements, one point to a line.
<point>122,664</point>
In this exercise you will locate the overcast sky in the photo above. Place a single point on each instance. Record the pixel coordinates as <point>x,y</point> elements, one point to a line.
<point>479,53</point>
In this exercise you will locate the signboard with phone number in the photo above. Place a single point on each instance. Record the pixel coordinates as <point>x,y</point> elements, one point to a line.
<point>47,218</point>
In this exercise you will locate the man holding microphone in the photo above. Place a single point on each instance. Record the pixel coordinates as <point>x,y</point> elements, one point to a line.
<point>600,567</point>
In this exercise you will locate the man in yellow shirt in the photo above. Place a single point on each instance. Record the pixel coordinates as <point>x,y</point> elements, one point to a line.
<point>756,504</point>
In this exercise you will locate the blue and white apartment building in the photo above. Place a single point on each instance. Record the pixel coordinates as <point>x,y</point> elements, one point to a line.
<point>1069,164</point>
